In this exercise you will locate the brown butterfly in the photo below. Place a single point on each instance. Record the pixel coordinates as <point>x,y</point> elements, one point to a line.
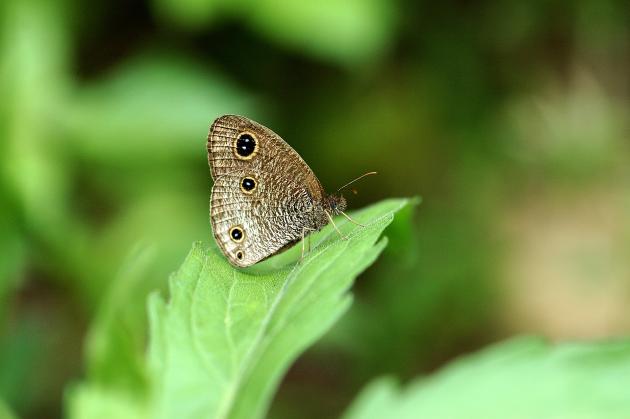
<point>265,197</point>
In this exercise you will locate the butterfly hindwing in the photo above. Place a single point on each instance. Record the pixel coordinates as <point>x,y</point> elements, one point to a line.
<point>264,195</point>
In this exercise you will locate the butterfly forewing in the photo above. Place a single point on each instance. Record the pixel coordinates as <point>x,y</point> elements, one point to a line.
<point>264,195</point>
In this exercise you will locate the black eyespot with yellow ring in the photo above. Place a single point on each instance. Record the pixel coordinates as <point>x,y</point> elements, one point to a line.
<point>240,255</point>
<point>237,234</point>
<point>245,146</point>
<point>248,184</point>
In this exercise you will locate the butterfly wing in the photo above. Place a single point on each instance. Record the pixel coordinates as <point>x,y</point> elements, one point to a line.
<point>264,196</point>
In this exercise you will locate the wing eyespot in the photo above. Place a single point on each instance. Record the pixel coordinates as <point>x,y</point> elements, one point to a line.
<point>237,234</point>
<point>248,185</point>
<point>245,145</point>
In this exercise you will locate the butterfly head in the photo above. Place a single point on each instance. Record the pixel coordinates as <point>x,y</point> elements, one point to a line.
<point>337,204</point>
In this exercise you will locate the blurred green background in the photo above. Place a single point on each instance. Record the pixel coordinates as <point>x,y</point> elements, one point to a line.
<point>510,119</point>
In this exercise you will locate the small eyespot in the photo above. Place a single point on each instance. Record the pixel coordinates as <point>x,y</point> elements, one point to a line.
<point>239,255</point>
<point>245,146</point>
<point>237,235</point>
<point>248,184</point>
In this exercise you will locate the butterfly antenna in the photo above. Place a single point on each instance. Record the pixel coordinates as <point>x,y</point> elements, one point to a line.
<point>360,177</point>
<point>351,219</point>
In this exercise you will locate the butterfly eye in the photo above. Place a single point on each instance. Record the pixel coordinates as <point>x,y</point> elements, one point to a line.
<point>236,233</point>
<point>245,146</point>
<point>248,184</point>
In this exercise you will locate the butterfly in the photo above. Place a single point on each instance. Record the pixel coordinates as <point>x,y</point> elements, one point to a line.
<point>265,197</point>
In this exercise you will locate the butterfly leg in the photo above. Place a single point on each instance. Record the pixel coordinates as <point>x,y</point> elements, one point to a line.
<point>335,225</point>
<point>351,219</point>
<point>305,236</point>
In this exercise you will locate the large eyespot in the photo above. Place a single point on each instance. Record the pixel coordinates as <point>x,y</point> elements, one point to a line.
<point>245,146</point>
<point>237,234</point>
<point>240,255</point>
<point>248,184</point>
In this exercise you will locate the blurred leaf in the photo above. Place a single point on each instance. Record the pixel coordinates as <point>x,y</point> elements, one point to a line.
<point>117,384</point>
<point>575,132</point>
<point>96,402</point>
<point>160,217</point>
<point>151,108</point>
<point>33,84</point>
<point>222,343</point>
<point>33,59</point>
<point>191,13</point>
<point>12,255</point>
<point>116,341</point>
<point>522,378</point>
<point>348,32</point>
<point>5,413</point>
<point>19,351</point>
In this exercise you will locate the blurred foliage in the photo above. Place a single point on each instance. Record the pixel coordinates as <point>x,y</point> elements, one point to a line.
<point>350,32</point>
<point>4,412</point>
<point>509,118</point>
<point>522,378</point>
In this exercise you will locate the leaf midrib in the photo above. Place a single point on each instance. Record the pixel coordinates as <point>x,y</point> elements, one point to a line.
<point>249,357</point>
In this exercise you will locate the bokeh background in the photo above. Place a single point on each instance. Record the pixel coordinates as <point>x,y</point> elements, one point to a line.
<point>511,120</point>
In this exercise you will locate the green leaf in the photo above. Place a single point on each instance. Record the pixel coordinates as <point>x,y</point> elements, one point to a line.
<point>220,346</point>
<point>20,349</point>
<point>12,254</point>
<point>522,378</point>
<point>33,82</point>
<point>5,413</point>
<point>117,384</point>
<point>117,337</point>
<point>97,402</point>
<point>152,107</point>
<point>357,31</point>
